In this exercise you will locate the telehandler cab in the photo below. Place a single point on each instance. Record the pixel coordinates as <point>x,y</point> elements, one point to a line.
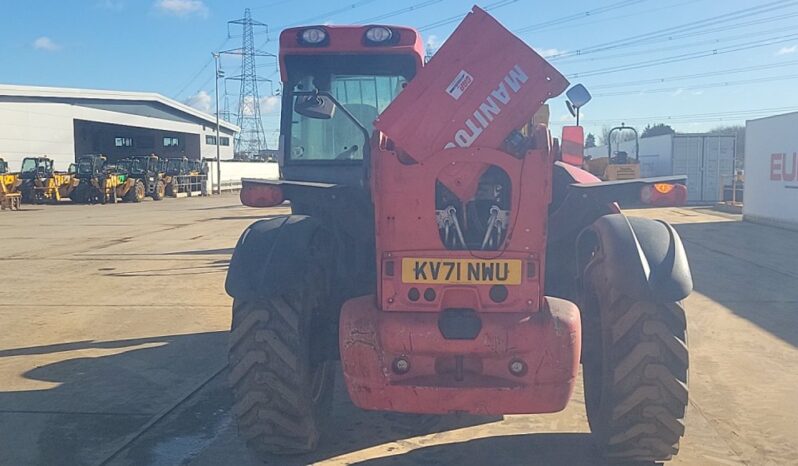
<point>449,262</point>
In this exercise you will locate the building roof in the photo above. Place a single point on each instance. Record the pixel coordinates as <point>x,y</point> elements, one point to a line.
<point>61,93</point>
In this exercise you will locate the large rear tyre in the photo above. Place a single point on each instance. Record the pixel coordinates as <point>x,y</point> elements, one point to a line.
<point>172,188</point>
<point>635,362</point>
<point>136,192</point>
<point>159,192</point>
<point>282,398</point>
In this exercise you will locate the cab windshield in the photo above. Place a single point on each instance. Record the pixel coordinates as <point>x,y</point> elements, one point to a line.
<point>364,86</point>
<point>339,138</point>
<point>40,167</point>
<point>173,166</point>
<point>138,166</point>
<point>29,165</point>
<point>85,167</point>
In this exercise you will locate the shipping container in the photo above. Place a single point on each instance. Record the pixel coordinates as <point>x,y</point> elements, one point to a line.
<point>706,159</point>
<point>771,170</point>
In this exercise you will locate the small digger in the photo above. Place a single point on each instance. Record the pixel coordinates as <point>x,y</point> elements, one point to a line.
<point>446,261</point>
<point>617,165</point>
<point>42,184</point>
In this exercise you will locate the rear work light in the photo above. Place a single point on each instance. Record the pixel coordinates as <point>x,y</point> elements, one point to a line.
<point>664,194</point>
<point>315,37</point>
<point>380,35</point>
<point>261,195</point>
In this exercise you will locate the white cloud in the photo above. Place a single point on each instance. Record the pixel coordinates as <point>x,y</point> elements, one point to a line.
<point>546,53</point>
<point>182,7</point>
<point>678,92</point>
<point>787,50</point>
<point>269,104</point>
<point>433,42</point>
<point>45,43</point>
<point>201,101</point>
<point>698,92</point>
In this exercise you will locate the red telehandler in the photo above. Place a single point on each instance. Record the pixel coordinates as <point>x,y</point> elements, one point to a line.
<point>449,262</point>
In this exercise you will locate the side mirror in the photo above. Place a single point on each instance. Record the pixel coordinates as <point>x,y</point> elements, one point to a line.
<point>573,145</point>
<point>315,106</point>
<point>578,96</point>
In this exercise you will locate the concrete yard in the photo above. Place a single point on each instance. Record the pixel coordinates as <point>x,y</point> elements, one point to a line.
<point>113,348</point>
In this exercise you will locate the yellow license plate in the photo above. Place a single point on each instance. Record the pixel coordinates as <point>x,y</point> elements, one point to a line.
<point>461,271</point>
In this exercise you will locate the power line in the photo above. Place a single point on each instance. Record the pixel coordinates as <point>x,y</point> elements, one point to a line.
<point>611,18</point>
<point>398,12</point>
<point>201,70</point>
<point>686,56</point>
<point>699,116</point>
<point>696,75</point>
<point>327,14</point>
<point>648,37</point>
<point>454,19</point>
<point>671,47</point>
<point>577,16</point>
<point>699,86</point>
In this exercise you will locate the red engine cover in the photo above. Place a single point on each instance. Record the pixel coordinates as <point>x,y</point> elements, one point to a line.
<point>472,98</point>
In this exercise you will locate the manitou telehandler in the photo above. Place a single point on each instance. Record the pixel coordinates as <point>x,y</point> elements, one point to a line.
<point>182,175</point>
<point>99,182</point>
<point>147,176</point>
<point>42,183</point>
<point>451,264</point>
<point>10,197</point>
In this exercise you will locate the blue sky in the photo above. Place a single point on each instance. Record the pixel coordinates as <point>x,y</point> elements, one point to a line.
<point>717,62</point>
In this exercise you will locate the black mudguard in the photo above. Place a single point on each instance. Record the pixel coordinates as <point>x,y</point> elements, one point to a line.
<point>271,256</point>
<point>642,258</point>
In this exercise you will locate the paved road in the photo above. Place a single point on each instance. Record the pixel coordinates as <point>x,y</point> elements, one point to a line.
<point>114,327</point>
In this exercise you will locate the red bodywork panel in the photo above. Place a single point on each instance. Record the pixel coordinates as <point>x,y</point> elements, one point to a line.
<point>483,83</point>
<point>442,129</point>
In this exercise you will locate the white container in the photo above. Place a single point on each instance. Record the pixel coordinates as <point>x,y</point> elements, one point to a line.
<point>771,173</point>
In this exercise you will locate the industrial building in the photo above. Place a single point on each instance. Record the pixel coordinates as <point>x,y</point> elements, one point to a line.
<point>65,123</point>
